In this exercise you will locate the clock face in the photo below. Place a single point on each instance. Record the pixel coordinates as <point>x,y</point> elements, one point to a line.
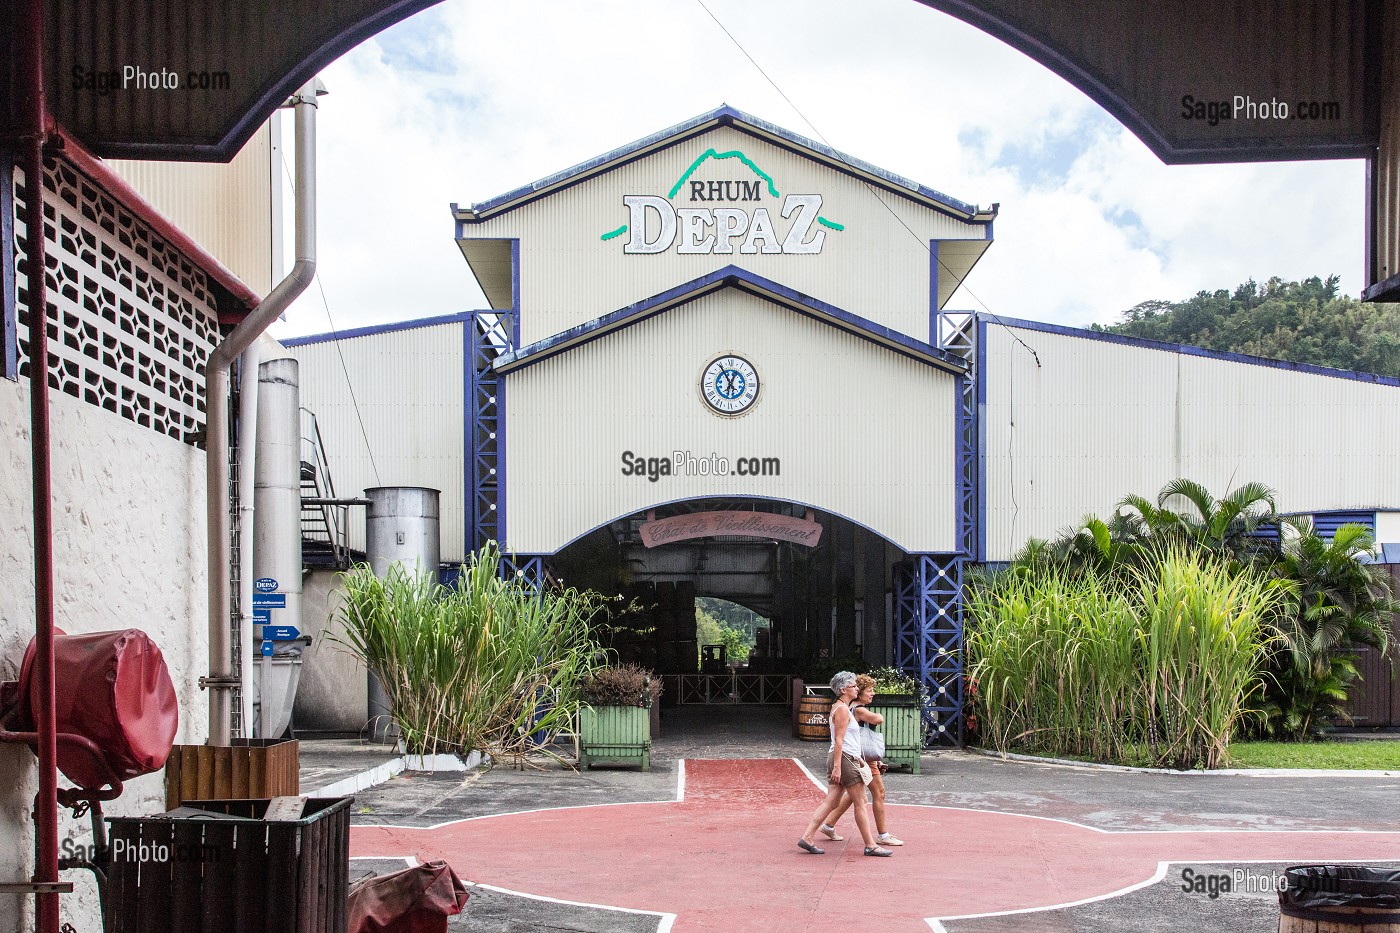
<point>729,385</point>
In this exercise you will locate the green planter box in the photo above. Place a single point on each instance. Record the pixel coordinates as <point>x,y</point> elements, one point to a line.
<point>903,729</point>
<point>614,734</point>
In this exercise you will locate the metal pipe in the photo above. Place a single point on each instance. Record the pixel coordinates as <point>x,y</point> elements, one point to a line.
<point>34,135</point>
<point>247,448</point>
<point>216,385</point>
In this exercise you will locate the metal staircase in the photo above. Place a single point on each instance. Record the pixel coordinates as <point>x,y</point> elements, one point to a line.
<point>323,526</point>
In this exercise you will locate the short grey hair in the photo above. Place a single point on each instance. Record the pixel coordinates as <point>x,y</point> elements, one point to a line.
<point>842,680</point>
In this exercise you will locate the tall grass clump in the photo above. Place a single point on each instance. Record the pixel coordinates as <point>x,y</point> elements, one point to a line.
<point>1204,633</point>
<point>485,665</point>
<point>1052,657</point>
<point>1159,664</point>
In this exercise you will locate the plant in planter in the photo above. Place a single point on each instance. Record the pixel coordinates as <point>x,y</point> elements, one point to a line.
<point>900,699</point>
<point>615,719</point>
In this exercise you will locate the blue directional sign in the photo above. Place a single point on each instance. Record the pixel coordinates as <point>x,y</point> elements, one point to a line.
<point>281,632</point>
<point>269,600</point>
<point>267,649</point>
<point>262,616</point>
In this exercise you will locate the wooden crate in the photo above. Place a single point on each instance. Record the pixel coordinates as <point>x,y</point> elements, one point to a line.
<point>614,734</point>
<point>249,768</point>
<point>200,875</point>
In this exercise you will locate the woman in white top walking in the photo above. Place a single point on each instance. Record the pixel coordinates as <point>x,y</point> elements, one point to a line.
<point>843,765</point>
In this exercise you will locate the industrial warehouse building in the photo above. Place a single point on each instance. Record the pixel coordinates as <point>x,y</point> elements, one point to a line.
<point>718,361</point>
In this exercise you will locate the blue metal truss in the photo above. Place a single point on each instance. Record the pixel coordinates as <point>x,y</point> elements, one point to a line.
<point>529,569</point>
<point>957,333</point>
<point>489,333</point>
<point>929,637</point>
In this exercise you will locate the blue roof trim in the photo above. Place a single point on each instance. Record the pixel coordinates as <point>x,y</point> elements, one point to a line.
<point>729,277</point>
<point>723,115</point>
<point>1188,350</point>
<point>377,329</point>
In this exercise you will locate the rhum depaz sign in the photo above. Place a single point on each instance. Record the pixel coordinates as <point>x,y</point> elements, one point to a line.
<point>744,213</point>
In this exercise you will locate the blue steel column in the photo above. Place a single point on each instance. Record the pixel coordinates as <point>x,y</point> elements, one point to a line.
<point>490,333</point>
<point>929,637</point>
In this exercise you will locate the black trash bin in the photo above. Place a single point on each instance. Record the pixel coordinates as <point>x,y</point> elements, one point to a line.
<point>230,866</point>
<point>1340,897</point>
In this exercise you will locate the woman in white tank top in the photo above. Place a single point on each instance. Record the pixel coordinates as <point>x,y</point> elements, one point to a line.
<point>843,763</point>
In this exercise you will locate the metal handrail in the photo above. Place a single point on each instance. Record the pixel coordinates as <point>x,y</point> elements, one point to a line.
<point>336,516</point>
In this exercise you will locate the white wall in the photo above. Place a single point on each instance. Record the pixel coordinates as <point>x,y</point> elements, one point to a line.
<point>1095,421</point>
<point>332,694</point>
<point>859,430</point>
<point>129,552</point>
<point>409,388</point>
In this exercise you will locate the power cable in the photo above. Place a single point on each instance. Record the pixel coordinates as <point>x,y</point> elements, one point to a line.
<point>325,303</point>
<point>960,283</point>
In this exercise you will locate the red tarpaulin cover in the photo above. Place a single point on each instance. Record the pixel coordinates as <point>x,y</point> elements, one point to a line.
<point>415,900</point>
<point>112,688</point>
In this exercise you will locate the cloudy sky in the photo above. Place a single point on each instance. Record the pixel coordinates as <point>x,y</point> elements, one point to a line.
<point>468,100</point>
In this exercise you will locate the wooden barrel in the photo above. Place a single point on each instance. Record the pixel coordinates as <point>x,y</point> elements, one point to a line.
<point>1340,898</point>
<point>1342,920</point>
<point>812,715</point>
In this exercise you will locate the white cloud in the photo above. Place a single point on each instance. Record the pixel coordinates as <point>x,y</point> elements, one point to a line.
<point>469,100</point>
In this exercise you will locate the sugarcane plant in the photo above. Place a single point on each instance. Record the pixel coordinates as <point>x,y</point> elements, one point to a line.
<point>487,664</point>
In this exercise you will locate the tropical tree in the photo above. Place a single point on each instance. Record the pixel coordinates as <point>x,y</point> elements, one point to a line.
<point>1340,602</point>
<point>1334,603</point>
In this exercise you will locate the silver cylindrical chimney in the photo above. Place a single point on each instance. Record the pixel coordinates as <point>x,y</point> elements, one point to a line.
<point>401,527</point>
<point>277,528</point>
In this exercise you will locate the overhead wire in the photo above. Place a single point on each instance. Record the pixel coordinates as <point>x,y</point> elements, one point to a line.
<point>959,280</point>
<point>349,385</point>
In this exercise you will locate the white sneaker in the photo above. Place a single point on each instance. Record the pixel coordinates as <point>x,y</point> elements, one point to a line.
<point>887,839</point>
<point>830,833</point>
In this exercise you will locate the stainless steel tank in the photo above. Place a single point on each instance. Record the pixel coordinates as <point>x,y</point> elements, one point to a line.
<point>277,539</point>
<point>401,527</point>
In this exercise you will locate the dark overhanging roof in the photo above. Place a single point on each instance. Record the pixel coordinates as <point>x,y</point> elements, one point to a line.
<point>1136,60</point>
<point>1139,60</point>
<point>252,53</point>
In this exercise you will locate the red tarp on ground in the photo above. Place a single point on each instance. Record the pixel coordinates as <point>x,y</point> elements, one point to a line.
<point>415,900</point>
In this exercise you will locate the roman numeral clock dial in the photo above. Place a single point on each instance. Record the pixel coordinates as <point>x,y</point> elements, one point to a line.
<point>729,385</point>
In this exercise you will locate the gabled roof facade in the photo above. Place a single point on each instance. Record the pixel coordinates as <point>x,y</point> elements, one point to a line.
<point>724,189</point>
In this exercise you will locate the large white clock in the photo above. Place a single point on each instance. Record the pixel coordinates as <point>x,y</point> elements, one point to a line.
<point>729,385</point>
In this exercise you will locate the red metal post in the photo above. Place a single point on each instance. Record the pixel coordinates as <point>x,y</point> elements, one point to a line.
<point>31,80</point>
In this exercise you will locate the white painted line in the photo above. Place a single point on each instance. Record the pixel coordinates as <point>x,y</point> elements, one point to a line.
<point>1159,875</point>
<point>408,860</point>
<point>680,796</point>
<point>820,786</point>
<point>1222,772</point>
<point>664,919</point>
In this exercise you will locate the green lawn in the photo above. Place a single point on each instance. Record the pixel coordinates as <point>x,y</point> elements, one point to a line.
<point>1379,755</point>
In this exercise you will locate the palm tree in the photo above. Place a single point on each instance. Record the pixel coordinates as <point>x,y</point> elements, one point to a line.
<point>1341,602</point>
<point>1225,526</point>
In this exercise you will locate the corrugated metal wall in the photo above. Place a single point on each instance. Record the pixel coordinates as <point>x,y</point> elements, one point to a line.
<point>859,430</point>
<point>877,267</point>
<point>1096,421</point>
<point>225,208</point>
<point>1388,528</point>
<point>410,390</point>
<point>1385,220</point>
